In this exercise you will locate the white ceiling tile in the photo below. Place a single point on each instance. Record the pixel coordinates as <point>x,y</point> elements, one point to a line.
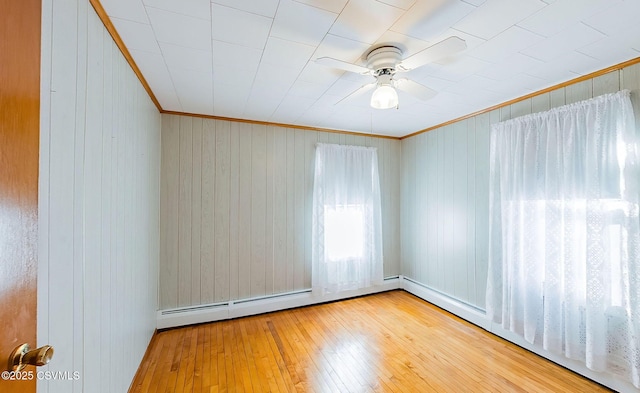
<point>157,76</point>
<point>261,7</point>
<point>427,19</point>
<point>495,16</point>
<point>132,10</point>
<point>194,89</point>
<point>180,29</point>
<point>301,23</point>
<point>459,70</point>
<point>510,41</point>
<point>239,27</point>
<point>261,105</point>
<point>289,54</point>
<point>365,20</point>
<point>188,81</point>
<point>469,84</point>
<point>425,78</point>
<point>553,18</point>
<point>194,8</point>
<point>326,103</point>
<point>230,99</point>
<point>577,63</point>
<point>291,108</point>
<point>328,5</point>
<point>316,117</point>
<point>275,78</point>
<point>570,39</point>
<point>511,65</point>
<point>228,75</point>
<point>620,17</point>
<point>564,68</point>
<point>614,49</point>
<point>404,4</point>
<point>307,90</point>
<point>482,100</point>
<point>236,56</point>
<point>186,58</point>
<point>518,83</point>
<point>138,36</point>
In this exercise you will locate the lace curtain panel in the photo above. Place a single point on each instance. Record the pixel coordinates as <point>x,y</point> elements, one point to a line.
<point>347,221</point>
<point>564,252</point>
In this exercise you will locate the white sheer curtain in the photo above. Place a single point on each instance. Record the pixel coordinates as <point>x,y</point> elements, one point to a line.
<point>347,223</point>
<point>564,253</point>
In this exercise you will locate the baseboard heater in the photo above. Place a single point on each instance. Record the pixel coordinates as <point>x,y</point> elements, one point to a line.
<point>190,315</point>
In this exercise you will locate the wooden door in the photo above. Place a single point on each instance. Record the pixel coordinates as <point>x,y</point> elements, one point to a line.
<point>19,141</point>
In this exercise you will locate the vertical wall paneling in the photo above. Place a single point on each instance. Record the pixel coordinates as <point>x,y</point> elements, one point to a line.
<point>207,185</point>
<point>169,212</point>
<point>311,138</point>
<point>258,207</point>
<point>290,209</point>
<point>92,174</point>
<point>221,256</point>
<point>185,165</point>
<point>269,206</point>
<point>630,79</point>
<point>279,226</point>
<point>607,83</point>
<point>540,103</point>
<point>234,208</point>
<point>196,209</point>
<point>105,214</point>
<point>481,202</point>
<point>99,195</point>
<point>244,214</point>
<point>247,195</point>
<point>470,224</point>
<point>579,91</point>
<point>299,213</point>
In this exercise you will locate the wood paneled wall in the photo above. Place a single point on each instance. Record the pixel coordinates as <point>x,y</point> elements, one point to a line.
<point>445,190</point>
<point>236,208</point>
<point>99,205</point>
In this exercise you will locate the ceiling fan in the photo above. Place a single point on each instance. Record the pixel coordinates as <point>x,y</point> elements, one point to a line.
<point>384,61</point>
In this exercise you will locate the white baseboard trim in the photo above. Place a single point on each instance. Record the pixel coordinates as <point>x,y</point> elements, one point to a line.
<point>454,306</point>
<point>479,318</point>
<point>246,307</point>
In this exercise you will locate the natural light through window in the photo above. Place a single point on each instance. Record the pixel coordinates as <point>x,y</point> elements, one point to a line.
<point>574,221</point>
<point>343,232</point>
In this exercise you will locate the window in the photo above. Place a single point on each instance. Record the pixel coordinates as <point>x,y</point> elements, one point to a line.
<point>564,252</point>
<point>347,224</point>
<point>343,232</point>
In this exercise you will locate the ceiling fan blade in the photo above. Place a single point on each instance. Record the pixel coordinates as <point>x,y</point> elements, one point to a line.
<point>342,65</point>
<point>358,92</point>
<point>433,53</point>
<point>415,89</point>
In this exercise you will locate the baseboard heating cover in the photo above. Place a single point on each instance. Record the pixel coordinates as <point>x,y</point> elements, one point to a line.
<point>244,307</point>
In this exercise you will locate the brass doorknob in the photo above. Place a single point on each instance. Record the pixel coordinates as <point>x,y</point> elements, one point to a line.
<point>23,355</point>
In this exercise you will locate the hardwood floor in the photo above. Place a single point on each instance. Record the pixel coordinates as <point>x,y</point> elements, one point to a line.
<point>389,342</point>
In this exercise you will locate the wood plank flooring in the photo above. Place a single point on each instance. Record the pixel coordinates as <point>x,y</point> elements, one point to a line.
<point>389,342</point>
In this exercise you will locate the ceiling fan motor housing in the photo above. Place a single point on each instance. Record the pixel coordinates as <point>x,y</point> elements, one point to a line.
<point>384,59</point>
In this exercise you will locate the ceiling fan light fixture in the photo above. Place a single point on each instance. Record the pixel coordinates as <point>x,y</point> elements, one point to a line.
<point>384,97</point>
